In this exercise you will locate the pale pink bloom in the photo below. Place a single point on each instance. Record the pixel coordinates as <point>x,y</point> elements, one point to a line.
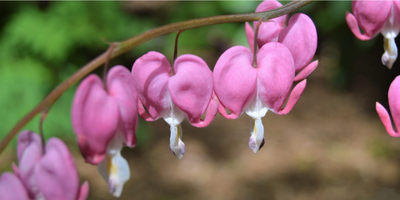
<point>104,121</point>
<point>242,88</point>
<point>48,174</point>
<point>394,105</point>
<point>375,17</point>
<point>299,35</point>
<point>187,92</point>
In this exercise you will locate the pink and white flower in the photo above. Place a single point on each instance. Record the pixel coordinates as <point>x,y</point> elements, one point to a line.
<point>240,87</point>
<point>299,35</point>
<point>185,92</point>
<point>375,17</point>
<point>105,120</point>
<point>48,173</point>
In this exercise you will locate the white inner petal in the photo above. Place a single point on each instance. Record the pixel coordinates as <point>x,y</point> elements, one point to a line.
<point>176,145</point>
<point>391,28</point>
<point>390,31</point>
<point>257,135</point>
<point>114,168</point>
<point>256,110</point>
<point>390,54</point>
<point>174,118</point>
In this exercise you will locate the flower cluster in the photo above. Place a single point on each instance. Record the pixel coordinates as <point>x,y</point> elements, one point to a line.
<point>43,173</point>
<point>104,116</point>
<point>375,17</point>
<point>105,112</point>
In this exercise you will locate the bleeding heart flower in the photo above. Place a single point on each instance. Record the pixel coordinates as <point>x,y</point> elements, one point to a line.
<point>374,17</point>
<point>185,92</point>
<point>104,121</point>
<point>240,87</point>
<point>299,36</point>
<point>49,174</point>
<point>394,104</point>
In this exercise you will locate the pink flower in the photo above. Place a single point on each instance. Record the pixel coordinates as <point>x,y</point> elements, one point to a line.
<point>43,175</point>
<point>242,88</point>
<point>394,104</point>
<point>104,121</point>
<point>374,17</point>
<point>299,36</point>
<point>173,96</point>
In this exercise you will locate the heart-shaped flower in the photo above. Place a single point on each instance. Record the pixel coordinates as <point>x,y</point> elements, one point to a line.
<point>240,87</point>
<point>374,17</point>
<point>299,36</point>
<point>185,92</point>
<point>48,174</point>
<point>104,121</point>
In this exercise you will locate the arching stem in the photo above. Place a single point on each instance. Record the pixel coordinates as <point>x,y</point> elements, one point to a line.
<point>124,46</point>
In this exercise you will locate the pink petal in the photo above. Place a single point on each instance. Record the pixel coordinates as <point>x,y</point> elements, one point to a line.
<point>370,16</point>
<point>84,191</point>
<point>293,98</point>
<point>151,73</point>
<point>57,177</point>
<point>212,110</point>
<point>300,37</point>
<point>275,74</point>
<point>30,151</point>
<point>306,71</point>
<point>385,118</point>
<point>235,80</point>
<point>249,35</point>
<point>143,113</point>
<point>191,87</point>
<point>121,86</point>
<point>11,188</point>
<point>396,9</point>
<point>29,143</point>
<point>394,104</point>
<point>394,101</point>
<point>95,118</point>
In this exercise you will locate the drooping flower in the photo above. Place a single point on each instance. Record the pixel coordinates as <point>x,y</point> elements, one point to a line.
<point>240,87</point>
<point>48,174</point>
<point>375,17</point>
<point>394,105</point>
<point>187,92</point>
<point>105,120</point>
<point>299,36</point>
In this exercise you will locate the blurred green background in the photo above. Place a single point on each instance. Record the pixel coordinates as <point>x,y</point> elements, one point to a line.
<point>336,149</point>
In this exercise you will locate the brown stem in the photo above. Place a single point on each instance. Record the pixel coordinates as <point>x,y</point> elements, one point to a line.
<point>255,50</point>
<point>124,46</point>
<point>109,51</point>
<point>175,52</point>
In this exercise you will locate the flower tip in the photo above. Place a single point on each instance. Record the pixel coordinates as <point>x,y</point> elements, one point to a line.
<point>180,151</point>
<point>254,146</point>
<point>390,54</point>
